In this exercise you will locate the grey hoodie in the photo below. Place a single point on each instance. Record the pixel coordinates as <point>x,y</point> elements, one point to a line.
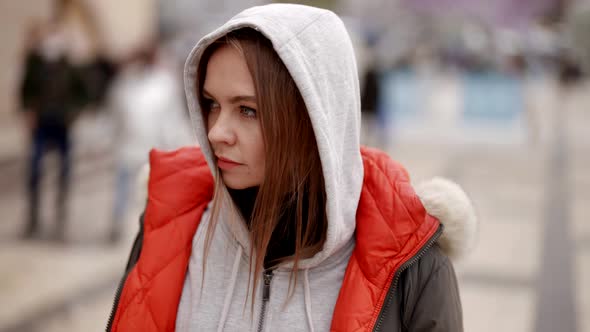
<point>316,49</point>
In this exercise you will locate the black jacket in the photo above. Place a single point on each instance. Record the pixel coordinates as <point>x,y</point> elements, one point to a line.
<point>426,297</point>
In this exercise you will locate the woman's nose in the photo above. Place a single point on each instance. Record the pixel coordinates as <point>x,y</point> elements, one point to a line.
<point>221,129</point>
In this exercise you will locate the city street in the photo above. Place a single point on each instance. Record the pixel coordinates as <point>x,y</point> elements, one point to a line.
<point>521,152</point>
<point>526,273</point>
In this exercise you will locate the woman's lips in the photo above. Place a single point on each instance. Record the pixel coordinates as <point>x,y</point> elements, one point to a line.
<point>226,164</point>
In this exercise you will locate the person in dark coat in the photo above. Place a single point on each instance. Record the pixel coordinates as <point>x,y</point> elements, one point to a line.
<point>51,95</point>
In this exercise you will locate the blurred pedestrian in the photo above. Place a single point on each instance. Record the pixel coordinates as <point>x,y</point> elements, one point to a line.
<point>570,71</point>
<point>149,112</point>
<point>370,91</point>
<point>281,221</point>
<point>51,95</point>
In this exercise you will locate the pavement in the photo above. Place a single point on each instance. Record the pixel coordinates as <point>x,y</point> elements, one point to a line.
<point>526,274</point>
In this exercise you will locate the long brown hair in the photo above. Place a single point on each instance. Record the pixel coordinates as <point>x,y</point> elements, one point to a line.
<point>291,198</point>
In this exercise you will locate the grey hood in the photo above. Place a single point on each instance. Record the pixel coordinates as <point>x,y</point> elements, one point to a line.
<point>315,47</point>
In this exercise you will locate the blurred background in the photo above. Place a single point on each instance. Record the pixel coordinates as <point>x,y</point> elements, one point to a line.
<point>491,94</point>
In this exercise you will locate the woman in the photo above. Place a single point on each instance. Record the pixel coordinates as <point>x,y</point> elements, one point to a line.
<point>281,221</point>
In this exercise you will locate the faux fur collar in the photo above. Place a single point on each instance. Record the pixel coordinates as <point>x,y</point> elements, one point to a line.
<point>446,201</point>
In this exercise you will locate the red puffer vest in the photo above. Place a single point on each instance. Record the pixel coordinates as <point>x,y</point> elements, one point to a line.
<point>392,226</point>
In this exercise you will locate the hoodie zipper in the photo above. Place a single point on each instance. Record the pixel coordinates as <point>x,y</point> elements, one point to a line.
<point>265,297</point>
<point>398,273</point>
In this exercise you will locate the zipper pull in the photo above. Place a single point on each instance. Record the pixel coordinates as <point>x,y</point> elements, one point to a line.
<point>266,286</point>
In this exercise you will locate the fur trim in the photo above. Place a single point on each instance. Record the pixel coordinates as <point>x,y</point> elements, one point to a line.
<point>446,201</point>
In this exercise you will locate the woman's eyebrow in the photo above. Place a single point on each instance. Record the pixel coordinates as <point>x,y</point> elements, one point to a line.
<point>238,99</point>
<point>233,100</point>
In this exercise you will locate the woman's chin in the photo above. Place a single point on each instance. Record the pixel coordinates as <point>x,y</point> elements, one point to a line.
<point>236,182</point>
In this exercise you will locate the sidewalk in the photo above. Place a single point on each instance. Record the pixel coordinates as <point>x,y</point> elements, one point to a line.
<point>41,278</point>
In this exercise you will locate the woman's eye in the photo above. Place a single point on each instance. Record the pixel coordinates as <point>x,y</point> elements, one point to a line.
<point>211,104</point>
<point>248,112</point>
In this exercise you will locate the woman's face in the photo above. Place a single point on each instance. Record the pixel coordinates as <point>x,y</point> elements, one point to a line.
<point>233,125</point>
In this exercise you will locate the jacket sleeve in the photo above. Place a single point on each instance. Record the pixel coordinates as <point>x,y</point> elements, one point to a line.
<point>431,296</point>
